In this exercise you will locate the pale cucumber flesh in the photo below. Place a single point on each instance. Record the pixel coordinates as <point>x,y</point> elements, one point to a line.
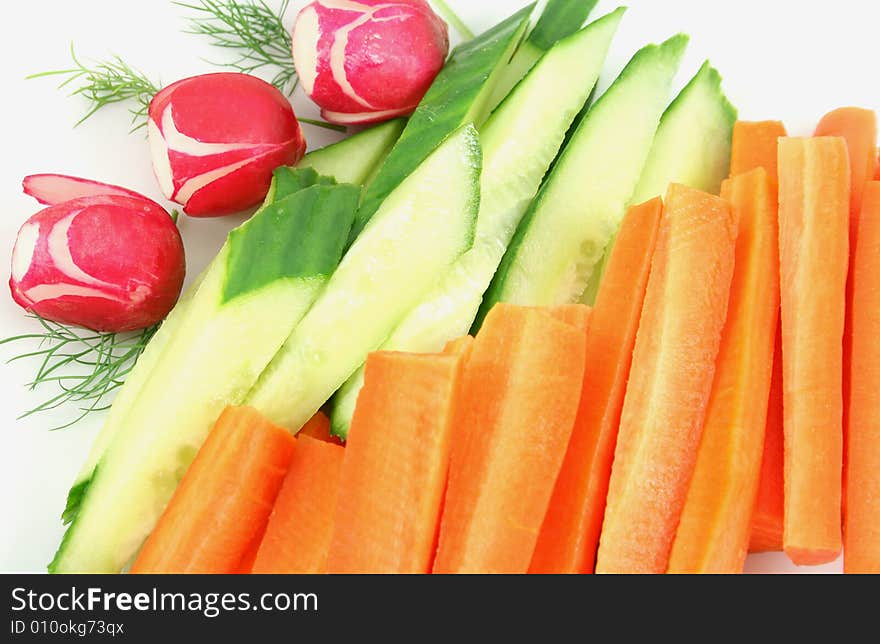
<point>567,227</point>
<point>692,147</point>
<point>413,239</point>
<point>520,141</point>
<point>355,159</point>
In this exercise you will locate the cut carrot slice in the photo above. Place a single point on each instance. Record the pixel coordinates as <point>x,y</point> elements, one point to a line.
<point>767,520</point>
<point>859,128</point>
<point>814,203</point>
<point>754,146</point>
<point>223,502</point>
<point>297,537</point>
<point>518,403</point>
<point>319,428</point>
<point>862,526</point>
<point>396,462</point>
<point>460,346</point>
<point>713,534</point>
<point>570,532</point>
<point>577,315</point>
<point>670,382</point>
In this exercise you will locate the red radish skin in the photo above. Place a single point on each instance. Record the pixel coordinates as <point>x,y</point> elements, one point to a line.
<point>53,189</point>
<point>216,138</point>
<point>364,61</point>
<point>108,263</point>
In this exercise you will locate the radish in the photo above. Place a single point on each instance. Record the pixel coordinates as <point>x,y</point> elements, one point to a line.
<point>216,138</point>
<point>105,258</point>
<point>364,61</point>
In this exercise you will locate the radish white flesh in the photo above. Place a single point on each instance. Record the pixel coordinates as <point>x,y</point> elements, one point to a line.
<point>108,262</point>
<point>215,140</point>
<point>368,60</point>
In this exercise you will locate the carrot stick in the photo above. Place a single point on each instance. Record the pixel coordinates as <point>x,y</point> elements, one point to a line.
<point>814,199</point>
<point>670,381</point>
<point>570,532</point>
<point>754,146</point>
<point>577,315</point>
<point>859,128</point>
<point>767,520</point>
<point>298,534</point>
<point>713,534</point>
<point>396,462</point>
<point>223,502</point>
<point>518,403</point>
<point>319,428</point>
<point>862,524</point>
<point>460,346</point>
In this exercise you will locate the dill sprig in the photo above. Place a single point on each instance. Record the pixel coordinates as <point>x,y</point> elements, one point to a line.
<point>253,30</point>
<point>106,82</point>
<point>85,366</point>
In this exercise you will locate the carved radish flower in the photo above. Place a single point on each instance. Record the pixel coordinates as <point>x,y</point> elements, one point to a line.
<point>364,61</point>
<point>216,138</point>
<point>99,256</point>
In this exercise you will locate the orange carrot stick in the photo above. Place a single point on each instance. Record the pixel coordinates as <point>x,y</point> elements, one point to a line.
<point>713,534</point>
<point>460,346</point>
<point>570,533</point>
<point>814,202</point>
<point>754,146</point>
<point>577,315</point>
<point>319,428</point>
<point>223,502</point>
<point>859,128</point>
<point>767,520</point>
<point>670,382</point>
<point>298,534</point>
<point>396,462</point>
<point>518,403</point>
<point>862,526</point>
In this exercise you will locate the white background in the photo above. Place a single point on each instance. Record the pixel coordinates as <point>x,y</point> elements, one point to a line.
<point>781,59</point>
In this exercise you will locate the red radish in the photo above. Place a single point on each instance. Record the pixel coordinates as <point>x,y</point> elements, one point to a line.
<point>53,189</point>
<point>104,258</point>
<point>364,61</point>
<point>216,138</point>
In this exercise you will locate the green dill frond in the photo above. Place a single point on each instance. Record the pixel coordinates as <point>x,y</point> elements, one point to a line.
<point>106,82</point>
<point>252,30</point>
<point>83,367</point>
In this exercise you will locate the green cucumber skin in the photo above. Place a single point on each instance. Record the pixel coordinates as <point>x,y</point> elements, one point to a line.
<point>585,225</point>
<point>399,256</point>
<point>355,159</point>
<point>512,174</point>
<point>692,147</point>
<point>459,95</point>
<point>558,20</point>
<point>114,508</point>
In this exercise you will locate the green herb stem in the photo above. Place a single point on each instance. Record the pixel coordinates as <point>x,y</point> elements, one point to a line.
<point>106,82</point>
<point>452,18</point>
<point>84,366</point>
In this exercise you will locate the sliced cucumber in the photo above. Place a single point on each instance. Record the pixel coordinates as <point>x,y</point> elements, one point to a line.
<point>692,147</point>
<point>416,235</point>
<point>564,233</point>
<point>459,95</point>
<point>519,142</point>
<point>267,275</point>
<point>355,159</point>
<point>560,19</point>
